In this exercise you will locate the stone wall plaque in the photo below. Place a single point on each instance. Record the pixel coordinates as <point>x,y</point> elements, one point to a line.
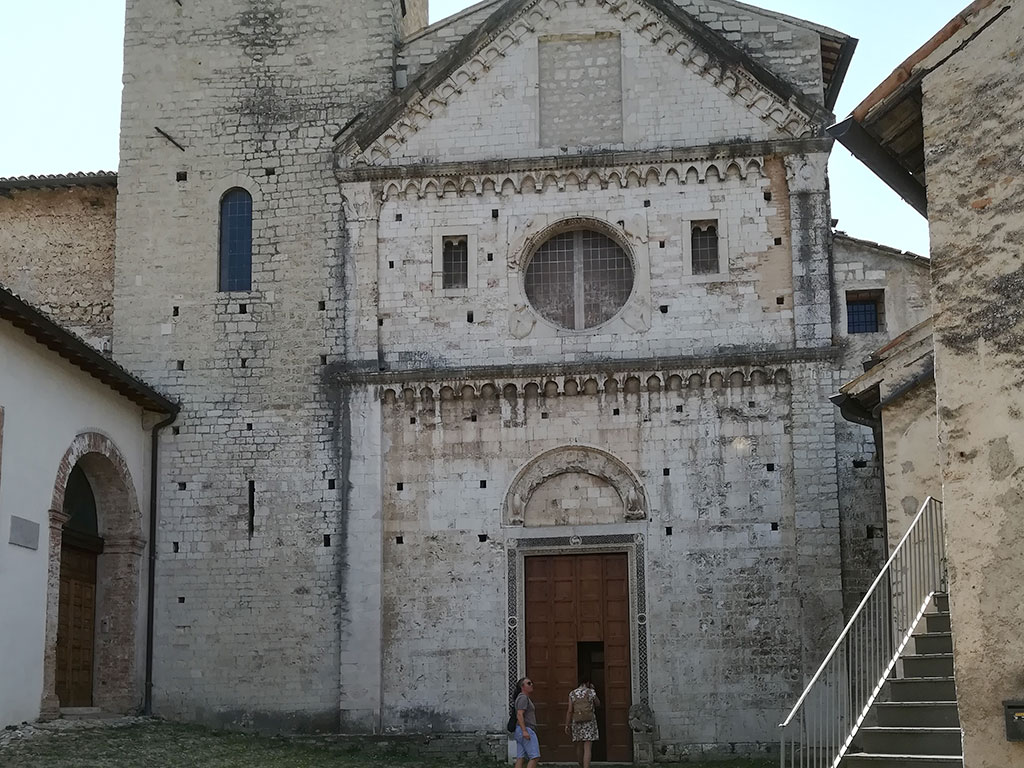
<point>24,533</point>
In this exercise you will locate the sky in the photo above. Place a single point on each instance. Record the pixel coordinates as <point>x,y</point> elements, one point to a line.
<point>61,88</point>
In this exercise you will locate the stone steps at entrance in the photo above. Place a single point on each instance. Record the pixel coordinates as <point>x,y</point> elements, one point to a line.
<point>86,713</point>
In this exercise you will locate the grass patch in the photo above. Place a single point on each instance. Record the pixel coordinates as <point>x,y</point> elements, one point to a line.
<point>159,744</point>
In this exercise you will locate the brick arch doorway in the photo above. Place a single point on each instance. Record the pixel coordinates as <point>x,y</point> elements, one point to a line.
<point>91,630</point>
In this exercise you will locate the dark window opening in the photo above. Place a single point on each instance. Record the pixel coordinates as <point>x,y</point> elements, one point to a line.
<point>252,507</point>
<point>704,248</point>
<point>865,311</point>
<point>455,263</point>
<point>236,240</point>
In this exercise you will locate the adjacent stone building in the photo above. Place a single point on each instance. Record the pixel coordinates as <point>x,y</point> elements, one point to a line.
<point>944,131</point>
<point>504,346</point>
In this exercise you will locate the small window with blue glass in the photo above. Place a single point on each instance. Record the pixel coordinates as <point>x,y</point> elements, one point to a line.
<point>865,311</point>
<point>236,240</point>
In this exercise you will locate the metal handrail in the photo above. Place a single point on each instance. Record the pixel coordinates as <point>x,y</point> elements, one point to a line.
<point>822,724</point>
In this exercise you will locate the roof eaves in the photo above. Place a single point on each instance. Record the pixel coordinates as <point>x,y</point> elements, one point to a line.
<point>916,258</point>
<point>79,353</point>
<point>905,70</point>
<point>56,181</point>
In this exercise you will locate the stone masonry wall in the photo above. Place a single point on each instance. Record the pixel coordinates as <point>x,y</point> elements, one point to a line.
<point>255,565</point>
<point>283,594</point>
<point>788,49</point>
<point>719,460</point>
<point>747,305</point>
<point>905,282</point>
<point>58,254</point>
<point>664,101</point>
<point>972,131</point>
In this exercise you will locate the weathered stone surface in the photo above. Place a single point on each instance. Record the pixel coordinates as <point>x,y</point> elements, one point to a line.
<point>58,254</point>
<point>972,135</point>
<point>338,498</point>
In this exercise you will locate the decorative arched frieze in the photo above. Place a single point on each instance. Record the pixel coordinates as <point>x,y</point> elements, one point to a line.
<point>615,384</point>
<point>539,181</point>
<point>569,459</point>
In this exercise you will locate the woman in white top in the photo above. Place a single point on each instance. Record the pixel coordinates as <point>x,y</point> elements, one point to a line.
<point>581,720</point>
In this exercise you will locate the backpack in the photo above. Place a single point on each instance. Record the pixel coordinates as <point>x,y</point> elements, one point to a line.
<point>582,710</point>
<point>512,722</point>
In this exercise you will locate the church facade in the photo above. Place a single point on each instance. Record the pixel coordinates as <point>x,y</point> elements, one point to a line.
<point>503,347</point>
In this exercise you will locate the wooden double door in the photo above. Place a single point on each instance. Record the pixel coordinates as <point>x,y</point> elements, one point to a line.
<point>577,622</point>
<point>76,626</point>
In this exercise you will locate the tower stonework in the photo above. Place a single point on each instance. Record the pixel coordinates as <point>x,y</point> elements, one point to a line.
<point>252,625</point>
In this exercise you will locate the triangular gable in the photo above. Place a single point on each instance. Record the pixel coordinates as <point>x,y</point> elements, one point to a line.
<point>375,138</point>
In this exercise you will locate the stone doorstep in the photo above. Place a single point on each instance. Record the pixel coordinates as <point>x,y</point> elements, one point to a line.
<point>86,713</point>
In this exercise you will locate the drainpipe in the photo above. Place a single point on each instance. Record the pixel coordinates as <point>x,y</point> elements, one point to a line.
<point>147,705</point>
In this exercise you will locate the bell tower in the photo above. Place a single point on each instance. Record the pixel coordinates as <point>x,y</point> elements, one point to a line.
<point>228,114</point>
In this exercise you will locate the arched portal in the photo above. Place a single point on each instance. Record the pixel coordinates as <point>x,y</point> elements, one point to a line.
<point>80,548</point>
<point>92,610</point>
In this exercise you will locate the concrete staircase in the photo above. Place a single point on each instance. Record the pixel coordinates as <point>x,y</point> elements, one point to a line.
<point>914,722</point>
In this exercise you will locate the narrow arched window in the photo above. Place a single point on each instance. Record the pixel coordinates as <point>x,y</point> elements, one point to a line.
<point>704,248</point>
<point>236,240</point>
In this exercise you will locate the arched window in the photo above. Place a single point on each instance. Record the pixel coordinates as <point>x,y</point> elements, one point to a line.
<point>579,279</point>
<point>704,248</point>
<point>236,240</point>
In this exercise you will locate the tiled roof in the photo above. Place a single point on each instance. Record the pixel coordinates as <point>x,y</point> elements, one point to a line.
<point>53,181</point>
<point>52,335</point>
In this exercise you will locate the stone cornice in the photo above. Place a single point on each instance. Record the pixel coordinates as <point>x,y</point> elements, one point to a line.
<point>762,366</point>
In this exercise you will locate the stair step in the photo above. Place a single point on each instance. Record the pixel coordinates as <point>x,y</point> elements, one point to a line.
<point>923,689</point>
<point>941,602</point>
<point>927,665</point>
<point>915,741</point>
<point>85,713</point>
<point>933,642</point>
<point>928,714</point>
<point>937,622</point>
<point>864,760</point>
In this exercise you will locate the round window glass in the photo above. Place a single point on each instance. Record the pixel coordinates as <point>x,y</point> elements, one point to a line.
<point>579,279</point>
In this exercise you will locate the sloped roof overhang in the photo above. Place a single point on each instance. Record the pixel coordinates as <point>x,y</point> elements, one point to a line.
<point>886,130</point>
<point>51,335</point>
<point>59,181</point>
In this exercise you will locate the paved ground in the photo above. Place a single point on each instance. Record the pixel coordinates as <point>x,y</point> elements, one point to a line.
<point>142,743</point>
